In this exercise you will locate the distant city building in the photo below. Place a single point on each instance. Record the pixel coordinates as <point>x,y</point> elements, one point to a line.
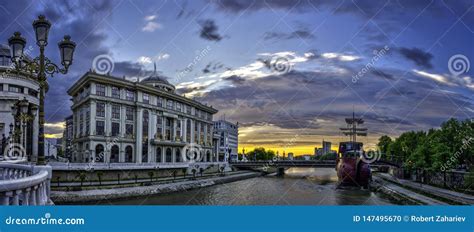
<point>306,157</point>
<point>290,156</point>
<point>228,134</point>
<point>68,136</point>
<point>117,120</point>
<point>326,147</point>
<point>14,129</point>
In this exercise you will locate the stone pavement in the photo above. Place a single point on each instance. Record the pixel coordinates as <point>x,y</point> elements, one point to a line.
<point>457,197</point>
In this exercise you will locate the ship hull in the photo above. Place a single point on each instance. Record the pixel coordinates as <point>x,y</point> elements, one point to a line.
<point>353,172</point>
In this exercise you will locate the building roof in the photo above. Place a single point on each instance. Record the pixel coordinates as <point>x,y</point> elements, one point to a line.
<point>159,81</point>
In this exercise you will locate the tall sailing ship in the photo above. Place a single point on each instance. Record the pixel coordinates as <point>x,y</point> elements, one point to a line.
<point>351,168</point>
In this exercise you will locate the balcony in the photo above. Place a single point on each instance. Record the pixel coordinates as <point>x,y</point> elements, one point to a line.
<point>24,184</point>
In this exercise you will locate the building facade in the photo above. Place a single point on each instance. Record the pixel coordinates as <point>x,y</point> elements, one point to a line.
<point>119,121</point>
<point>228,140</point>
<point>68,135</point>
<point>19,101</point>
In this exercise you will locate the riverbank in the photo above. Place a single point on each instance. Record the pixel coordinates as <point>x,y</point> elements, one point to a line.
<point>100,195</point>
<point>423,192</point>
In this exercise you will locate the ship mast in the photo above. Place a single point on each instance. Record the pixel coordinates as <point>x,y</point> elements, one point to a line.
<point>353,128</point>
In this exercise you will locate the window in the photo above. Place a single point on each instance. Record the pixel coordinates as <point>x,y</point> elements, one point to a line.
<point>168,126</point>
<point>100,127</point>
<point>188,131</point>
<point>15,88</point>
<point>196,132</point>
<point>146,116</point>
<point>115,92</point>
<point>33,92</point>
<point>100,110</point>
<point>160,102</point>
<point>169,104</point>
<point>130,95</point>
<point>115,111</point>
<point>188,109</point>
<point>128,129</point>
<point>129,114</point>
<point>159,127</point>
<point>115,128</point>
<point>100,90</point>
<point>178,128</point>
<point>146,98</point>
<point>5,60</point>
<point>178,106</point>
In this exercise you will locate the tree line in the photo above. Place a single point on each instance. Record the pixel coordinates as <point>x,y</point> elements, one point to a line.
<point>449,147</point>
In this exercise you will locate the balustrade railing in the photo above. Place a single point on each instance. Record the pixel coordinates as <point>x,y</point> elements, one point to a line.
<point>22,184</point>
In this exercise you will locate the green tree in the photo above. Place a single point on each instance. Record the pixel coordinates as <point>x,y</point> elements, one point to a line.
<point>384,143</point>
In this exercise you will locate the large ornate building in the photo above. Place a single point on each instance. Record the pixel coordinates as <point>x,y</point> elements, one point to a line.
<point>18,110</point>
<point>120,121</point>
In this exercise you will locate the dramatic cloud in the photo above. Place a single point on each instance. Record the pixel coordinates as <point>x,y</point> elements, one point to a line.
<point>298,34</point>
<point>418,56</point>
<point>209,30</point>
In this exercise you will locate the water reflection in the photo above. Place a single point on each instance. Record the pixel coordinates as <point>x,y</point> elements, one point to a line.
<point>299,186</point>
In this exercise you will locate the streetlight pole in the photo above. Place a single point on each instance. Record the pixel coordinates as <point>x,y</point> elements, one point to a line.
<point>41,66</point>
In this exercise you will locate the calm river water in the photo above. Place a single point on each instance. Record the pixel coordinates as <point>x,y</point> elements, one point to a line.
<point>299,186</point>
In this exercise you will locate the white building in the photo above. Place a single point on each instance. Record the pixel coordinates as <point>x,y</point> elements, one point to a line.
<point>228,140</point>
<point>119,121</point>
<point>21,130</point>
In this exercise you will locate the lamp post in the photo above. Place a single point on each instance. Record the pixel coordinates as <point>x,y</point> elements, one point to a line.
<point>41,66</point>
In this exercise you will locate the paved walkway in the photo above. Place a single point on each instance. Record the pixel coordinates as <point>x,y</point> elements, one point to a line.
<point>412,197</point>
<point>460,198</point>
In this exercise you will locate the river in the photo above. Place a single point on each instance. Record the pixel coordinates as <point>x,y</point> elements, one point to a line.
<point>299,186</point>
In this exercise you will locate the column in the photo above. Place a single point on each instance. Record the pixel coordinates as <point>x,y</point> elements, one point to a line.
<point>92,115</point>
<point>139,135</point>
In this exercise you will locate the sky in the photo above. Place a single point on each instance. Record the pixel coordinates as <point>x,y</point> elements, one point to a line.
<point>288,71</point>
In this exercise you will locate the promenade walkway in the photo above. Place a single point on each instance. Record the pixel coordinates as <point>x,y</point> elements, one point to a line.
<point>453,196</point>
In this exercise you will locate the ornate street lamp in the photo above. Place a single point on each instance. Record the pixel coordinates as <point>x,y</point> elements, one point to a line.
<point>41,66</point>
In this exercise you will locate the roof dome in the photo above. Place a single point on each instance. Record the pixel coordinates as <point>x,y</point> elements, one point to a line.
<point>158,81</point>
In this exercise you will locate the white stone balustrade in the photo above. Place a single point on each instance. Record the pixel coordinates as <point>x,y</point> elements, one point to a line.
<point>22,184</point>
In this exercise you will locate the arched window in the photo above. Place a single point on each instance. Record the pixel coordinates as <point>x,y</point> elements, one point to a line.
<point>177,155</point>
<point>99,153</point>
<point>129,154</point>
<point>169,155</point>
<point>114,154</point>
<point>158,155</point>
